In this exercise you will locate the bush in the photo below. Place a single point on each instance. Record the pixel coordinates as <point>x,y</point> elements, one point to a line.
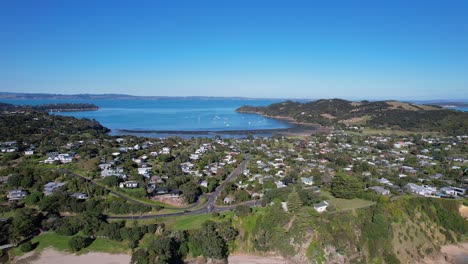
<point>26,247</point>
<point>242,210</point>
<point>79,242</point>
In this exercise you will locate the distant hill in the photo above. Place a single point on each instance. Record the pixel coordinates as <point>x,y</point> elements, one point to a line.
<point>61,107</point>
<point>380,115</point>
<point>45,96</point>
<point>36,126</point>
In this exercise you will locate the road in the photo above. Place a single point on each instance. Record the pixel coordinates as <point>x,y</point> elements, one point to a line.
<point>210,205</point>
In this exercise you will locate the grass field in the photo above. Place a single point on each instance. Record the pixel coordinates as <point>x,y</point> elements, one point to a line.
<point>59,242</point>
<point>183,222</point>
<point>345,205</point>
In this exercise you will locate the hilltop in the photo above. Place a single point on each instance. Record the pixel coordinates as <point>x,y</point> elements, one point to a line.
<point>393,115</point>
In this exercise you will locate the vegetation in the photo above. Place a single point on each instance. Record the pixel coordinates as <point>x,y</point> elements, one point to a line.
<point>377,115</point>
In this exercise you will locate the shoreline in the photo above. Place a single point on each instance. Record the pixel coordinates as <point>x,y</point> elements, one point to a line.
<point>295,129</point>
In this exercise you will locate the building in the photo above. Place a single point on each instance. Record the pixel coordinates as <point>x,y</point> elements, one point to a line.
<point>80,196</point>
<point>14,195</point>
<point>129,184</point>
<point>321,207</point>
<point>380,190</point>
<point>51,187</point>
<point>423,190</point>
<point>307,181</point>
<point>229,200</point>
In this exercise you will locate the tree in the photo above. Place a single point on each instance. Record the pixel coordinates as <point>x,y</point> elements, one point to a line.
<point>242,210</point>
<point>26,247</point>
<point>165,248</point>
<point>190,191</point>
<point>78,242</point>
<point>140,257</point>
<point>344,186</point>
<point>294,201</point>
<point>111,181</point>
<point>24,223</point>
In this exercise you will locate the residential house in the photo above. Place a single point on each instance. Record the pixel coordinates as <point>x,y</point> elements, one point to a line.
<point>51,187</point>
<point>80,196</point>
<point>380,190</point>
<point>161,191</point>
<point>229,199</point>
<point>321,207</point>
<point>175,193</point>
<point>16,195</point>
<point>423,190</point>
<point>129,184</point>
<point>144,170</point>
<point>307,181</point>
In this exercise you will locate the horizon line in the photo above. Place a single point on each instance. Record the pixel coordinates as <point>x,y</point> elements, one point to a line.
<point>224,97</point>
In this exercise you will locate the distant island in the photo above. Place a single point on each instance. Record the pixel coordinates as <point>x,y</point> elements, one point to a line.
<point>59,107</point>
<point>66,107</point>
<point>392,115</point>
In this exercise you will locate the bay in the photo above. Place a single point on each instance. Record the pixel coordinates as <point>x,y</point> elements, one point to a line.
<point>146,117</point>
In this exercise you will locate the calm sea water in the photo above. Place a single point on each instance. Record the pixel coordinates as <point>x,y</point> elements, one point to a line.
<point>171,115</point>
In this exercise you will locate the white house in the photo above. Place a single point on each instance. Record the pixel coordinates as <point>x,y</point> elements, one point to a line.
<point>380,190</point>
<point>307,181</point>
<point>321,207</point>
<point>166,150</point>
<point>65,158</point>
<point>143,171</point>
<point>80,196</point>
<point>129,184</point>
<point>16,195</point>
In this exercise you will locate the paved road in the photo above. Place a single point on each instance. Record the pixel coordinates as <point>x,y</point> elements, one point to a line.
<point>210,205</point>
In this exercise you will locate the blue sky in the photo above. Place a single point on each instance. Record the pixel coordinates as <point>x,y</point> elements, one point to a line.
<point>276,49</point>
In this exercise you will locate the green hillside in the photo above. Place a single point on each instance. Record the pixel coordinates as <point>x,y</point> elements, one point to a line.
<point>378,115</point>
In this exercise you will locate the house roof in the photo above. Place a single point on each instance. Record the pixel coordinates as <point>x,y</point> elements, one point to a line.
<point>321,204</point>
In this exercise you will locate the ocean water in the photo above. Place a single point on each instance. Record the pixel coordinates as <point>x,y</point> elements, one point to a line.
<point>149,116</point>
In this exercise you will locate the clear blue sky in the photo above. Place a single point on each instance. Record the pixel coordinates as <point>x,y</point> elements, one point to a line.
<point>296,49</point>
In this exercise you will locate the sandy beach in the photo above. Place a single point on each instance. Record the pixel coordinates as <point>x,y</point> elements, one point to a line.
<point>51,256</point>
<point>457,254</point>
<point>449,254</point>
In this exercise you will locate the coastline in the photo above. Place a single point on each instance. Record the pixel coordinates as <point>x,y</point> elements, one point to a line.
<point>72,110</point>
<point>296,129</point>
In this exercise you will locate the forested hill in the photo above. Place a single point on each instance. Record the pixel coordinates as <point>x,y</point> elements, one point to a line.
<point>65,107</point>
<point>60,107</point>
<point>381,114</point>
<point>26,124</point>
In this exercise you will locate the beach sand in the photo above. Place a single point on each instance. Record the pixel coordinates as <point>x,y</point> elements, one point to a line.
<point>449,254</point>
<point>51,256</point>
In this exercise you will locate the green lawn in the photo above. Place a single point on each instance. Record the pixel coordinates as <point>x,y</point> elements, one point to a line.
<point>59,242</point>
<point>185,222</point>
<point>345,205</point>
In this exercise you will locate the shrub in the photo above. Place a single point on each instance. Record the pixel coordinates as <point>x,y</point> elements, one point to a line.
<point>78,242</point>
<point>26,247</point>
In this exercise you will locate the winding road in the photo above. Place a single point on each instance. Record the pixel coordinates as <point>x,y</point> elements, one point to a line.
<point>209,206</point>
